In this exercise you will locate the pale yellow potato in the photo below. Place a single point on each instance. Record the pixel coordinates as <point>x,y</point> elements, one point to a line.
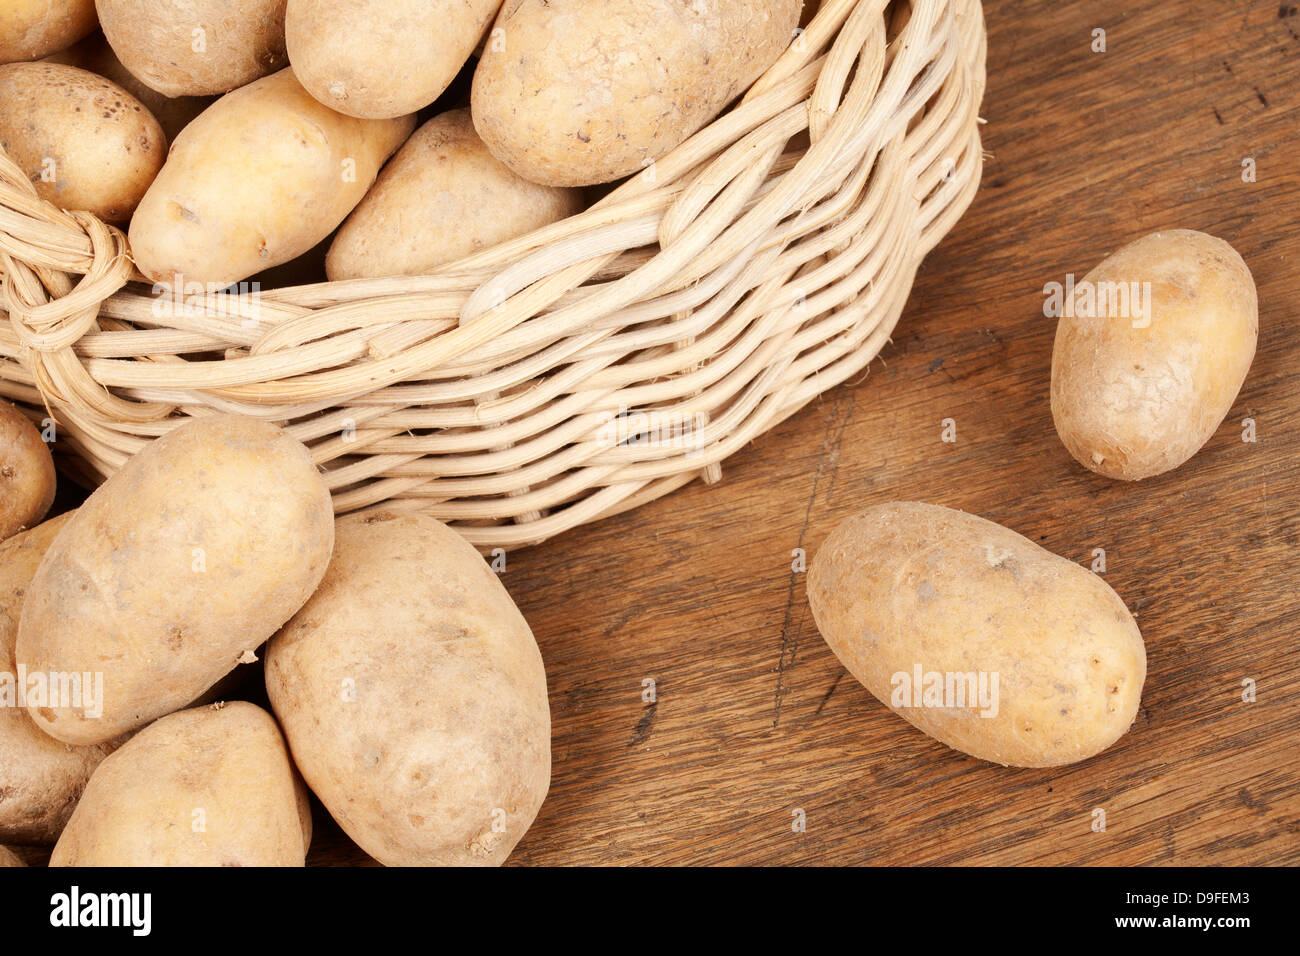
<point>440,198</point>
<point>40,778</point>
<point>413,696</point>
<point>196,47</point>
<point>93,53</point>
<point>85,143</point>
<point>212,786</point>
<point>260,177</point>
<point>907,588</point>
<point>382,58</point>
<point>9,858</point>
<point>31,29</point>
<point>576,92</point>
<point>174,571</point>
<point>1137,389</point>
<point>27,477</point>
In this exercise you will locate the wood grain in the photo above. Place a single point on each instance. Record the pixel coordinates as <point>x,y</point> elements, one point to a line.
<point>755,719</point>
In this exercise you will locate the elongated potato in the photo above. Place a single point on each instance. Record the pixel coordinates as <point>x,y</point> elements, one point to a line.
<point>260,177</point>
<point>576,92</point>
<point>978,636</point>
<point>441,198</point>
<point>212,786</point>
<point>9,858</point>
<point>1151,352</point>
<point>382,58</point>
<point>31,29</point>
<point>40,777</point>
<point>196,47</point>
<point>174,570</point>
<point>95,54</point>
<point>84,142</point>
<point>413,696</point>
<point>27,477</point>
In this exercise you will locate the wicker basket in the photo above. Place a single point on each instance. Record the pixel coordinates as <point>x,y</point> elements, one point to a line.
<point>575,372</point>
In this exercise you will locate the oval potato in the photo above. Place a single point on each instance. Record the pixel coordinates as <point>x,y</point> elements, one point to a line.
<point>40,777</point>
<point>1036,661</point>
<point>577,92</point>
<point>259,178</point>
<point>427,737</point>
<point>442,197</point>
<point>173,571</point>
<point>1151,353</point>
<point>31,29</point>
<point>378,59</point>
<point>196,47</point>
<point>27,477</point>
<point>84,142</point>
<point>224,766</point>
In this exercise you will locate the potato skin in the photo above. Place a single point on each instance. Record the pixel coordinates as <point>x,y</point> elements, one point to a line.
<point>94,54</point>
<point>192,554</point>
<point>1132,402</point>
<point>142,806</point>
<point>907,584</point>
<point>260,177</point>
<point>42,778</point>
<point>9,858</point>
<point>27,476</point>
<point>577,92</point>
<point>31,29</point>
<point>442,197</point>
<point>241,41</point>
<point>378,59</point>
<point>447,731</point>
<point>105,145</point>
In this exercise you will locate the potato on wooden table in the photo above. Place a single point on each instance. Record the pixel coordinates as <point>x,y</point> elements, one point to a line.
<point>977,636</point>
<point>413,696</point>
<point>442,197</point>
<point>211,786</point>
<point>1151,352</point>
<point>174,571</point>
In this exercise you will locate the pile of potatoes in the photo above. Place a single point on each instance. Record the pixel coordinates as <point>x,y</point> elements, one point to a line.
<point>408,692</point>
<point>287,119</point>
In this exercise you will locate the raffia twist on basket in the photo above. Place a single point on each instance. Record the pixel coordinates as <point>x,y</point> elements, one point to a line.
<point>575,372</point>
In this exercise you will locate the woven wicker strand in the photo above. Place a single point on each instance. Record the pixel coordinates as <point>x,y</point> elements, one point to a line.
<point>570,374</point>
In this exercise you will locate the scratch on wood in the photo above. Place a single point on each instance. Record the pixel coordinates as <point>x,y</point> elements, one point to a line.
<point>828,461</point>
<point>827,696</point>
<point>645,725</point>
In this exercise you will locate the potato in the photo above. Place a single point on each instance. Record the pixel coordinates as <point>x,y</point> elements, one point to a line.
<point>1151,352</point>
<point>260,177</point>
<point>84,142</point>
<point>173,113</point>
<point>377,59</point>
<point>173,571</point>
<point>441,198</point>
<point>27,478</point>
<point>9,858</point>
<point>413,696</point>
<point>977,636</point>
<point>576,92</point>
<point>196,47</point>
<point>40,778</point>
<point>31,29</point>
<point>212,786</point>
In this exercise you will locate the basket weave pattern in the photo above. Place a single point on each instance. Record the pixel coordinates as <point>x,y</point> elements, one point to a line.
<point>572,373</point>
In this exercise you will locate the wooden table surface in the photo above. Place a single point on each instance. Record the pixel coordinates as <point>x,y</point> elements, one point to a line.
<point>756,720</point>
